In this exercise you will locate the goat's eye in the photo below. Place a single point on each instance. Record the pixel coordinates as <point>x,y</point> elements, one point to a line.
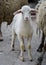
<point>22,13</point>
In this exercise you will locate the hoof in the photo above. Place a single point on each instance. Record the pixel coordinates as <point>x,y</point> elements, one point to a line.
<point>21,58</point>
<point>13,49</point>
<point>39,50</point>
<point>31,60</point>
<point>1,38</point>
<point>24,50</point>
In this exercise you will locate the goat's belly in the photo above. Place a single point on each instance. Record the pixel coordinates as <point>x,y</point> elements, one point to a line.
<point>26,34</point>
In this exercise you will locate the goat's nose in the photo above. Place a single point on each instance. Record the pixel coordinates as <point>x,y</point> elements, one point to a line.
<point>26,18</point>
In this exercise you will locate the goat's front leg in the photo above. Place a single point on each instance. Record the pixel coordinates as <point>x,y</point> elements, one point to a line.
<point>24,44</point>
<point>13,39</point>
<point>29,49</point>
<point>21,48</point>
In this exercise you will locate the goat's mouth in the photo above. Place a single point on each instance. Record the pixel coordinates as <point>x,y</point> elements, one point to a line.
<point>26,20</point>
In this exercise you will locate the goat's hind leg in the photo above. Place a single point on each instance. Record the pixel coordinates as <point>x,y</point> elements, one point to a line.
<point>13,41</point>
<point>1,38</point>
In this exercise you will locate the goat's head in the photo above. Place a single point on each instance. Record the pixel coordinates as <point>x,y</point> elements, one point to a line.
<point>26,12</point>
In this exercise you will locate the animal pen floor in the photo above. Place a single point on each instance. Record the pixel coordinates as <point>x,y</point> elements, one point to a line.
<point>8,57</point>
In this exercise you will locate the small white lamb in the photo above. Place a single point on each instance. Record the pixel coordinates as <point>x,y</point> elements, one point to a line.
<point>22,26</point>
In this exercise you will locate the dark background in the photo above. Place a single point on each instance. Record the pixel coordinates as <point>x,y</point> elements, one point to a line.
<point>33,1</point>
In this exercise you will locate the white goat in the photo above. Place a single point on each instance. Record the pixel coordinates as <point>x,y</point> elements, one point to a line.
<point>23,27</point>
<point>38,5</point>
<point>41,16</point>
<point>41,23</point>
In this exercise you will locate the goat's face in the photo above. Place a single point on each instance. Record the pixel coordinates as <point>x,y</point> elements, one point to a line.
<point>26,12</point>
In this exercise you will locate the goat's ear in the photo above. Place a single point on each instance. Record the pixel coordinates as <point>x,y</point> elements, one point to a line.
<point>33,10</point>
<point>16,12</point>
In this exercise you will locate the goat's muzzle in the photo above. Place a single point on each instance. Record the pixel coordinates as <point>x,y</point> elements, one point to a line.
<point>26,19</point>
